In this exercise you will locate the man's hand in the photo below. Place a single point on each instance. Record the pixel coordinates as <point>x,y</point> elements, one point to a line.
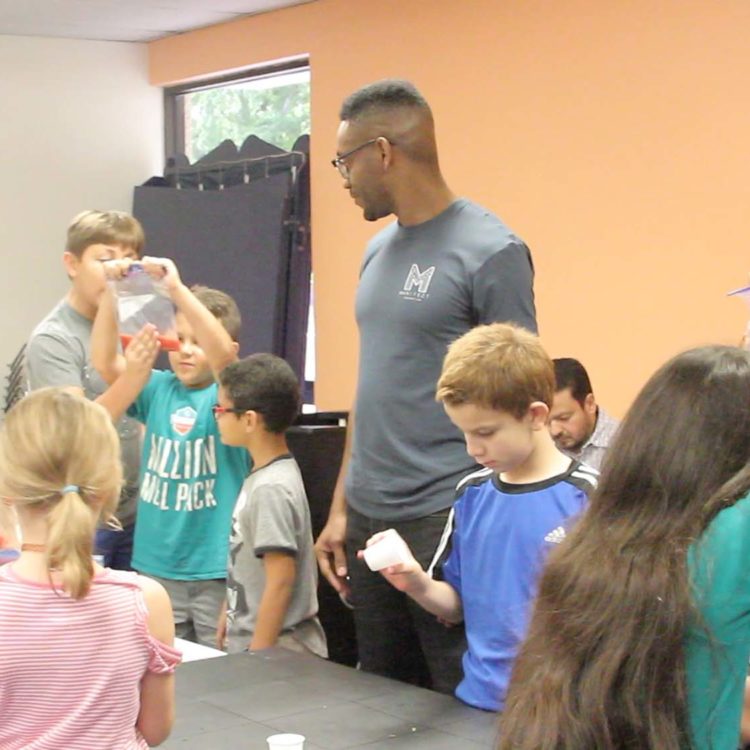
<point>330,550</point>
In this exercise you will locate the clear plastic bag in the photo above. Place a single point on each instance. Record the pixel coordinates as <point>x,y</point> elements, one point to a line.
<point>142,299</point>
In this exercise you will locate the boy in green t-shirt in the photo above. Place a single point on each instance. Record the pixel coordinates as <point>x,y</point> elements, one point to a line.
<point>189,479</point>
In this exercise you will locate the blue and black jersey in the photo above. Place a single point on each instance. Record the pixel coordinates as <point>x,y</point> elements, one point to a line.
<point>492,552</point>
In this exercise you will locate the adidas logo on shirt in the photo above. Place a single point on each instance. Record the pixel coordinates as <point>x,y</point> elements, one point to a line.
<point>555,536</point>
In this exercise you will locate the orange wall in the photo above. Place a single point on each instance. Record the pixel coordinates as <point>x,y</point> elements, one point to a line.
<point>613,136</point>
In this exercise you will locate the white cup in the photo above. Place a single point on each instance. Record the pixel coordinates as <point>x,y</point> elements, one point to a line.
<point>286,742</point>
<point>389,550</point>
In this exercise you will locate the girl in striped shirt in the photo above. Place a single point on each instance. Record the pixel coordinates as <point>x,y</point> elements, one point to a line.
<point>86,653</point>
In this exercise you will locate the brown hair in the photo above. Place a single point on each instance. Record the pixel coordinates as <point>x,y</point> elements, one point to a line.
<point>603,664</point>
<point>266,384</point>
<point>59,453</point>
<point>498,366</point>
<point>106,228</point>
<point>222,307</point>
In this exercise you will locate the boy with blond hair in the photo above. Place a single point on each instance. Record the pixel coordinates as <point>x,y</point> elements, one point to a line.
<point>190,479</point>
<point>497,386</point>
<point>59,351</point>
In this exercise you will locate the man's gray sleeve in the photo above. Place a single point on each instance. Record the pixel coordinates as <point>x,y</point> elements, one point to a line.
<point>503,289</point>
<point>53,360</point>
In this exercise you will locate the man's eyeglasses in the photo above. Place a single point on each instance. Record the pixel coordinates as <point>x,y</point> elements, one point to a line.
<point>339,161</point>
<point>218,410</point>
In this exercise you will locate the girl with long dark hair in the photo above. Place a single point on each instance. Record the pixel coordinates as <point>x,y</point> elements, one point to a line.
<point>640,635</point>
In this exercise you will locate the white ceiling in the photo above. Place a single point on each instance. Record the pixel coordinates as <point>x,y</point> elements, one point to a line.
<point>123,20</point>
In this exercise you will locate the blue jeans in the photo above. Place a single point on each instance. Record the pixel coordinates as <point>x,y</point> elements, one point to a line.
<point>116,547</point>
<point>395,636</point>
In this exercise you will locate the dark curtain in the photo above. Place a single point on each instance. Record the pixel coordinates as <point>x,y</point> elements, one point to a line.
<point>239,221</point>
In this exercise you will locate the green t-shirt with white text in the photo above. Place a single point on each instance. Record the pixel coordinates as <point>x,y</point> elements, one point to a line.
<point>189,482</point>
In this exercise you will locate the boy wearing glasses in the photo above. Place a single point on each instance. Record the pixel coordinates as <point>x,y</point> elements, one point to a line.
<point>189,478</point>
<point>272,575</point>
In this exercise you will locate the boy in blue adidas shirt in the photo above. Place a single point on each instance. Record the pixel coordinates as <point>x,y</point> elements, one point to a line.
<point>497,386</point>
<point>189,478</point>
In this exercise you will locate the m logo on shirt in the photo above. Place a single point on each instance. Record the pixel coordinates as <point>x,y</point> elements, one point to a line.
<point>182,420</point>
<point>417,283</point>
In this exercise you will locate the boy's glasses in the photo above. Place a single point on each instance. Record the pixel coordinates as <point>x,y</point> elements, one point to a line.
<point>218,410</point>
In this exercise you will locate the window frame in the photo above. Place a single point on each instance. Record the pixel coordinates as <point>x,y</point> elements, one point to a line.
<point>174,102</point>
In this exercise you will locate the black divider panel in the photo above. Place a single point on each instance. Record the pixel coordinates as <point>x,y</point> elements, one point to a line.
<point>318,450</point>
<point>233,240</point>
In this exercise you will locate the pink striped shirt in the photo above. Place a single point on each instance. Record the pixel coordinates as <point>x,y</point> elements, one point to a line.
<point>70,671</point>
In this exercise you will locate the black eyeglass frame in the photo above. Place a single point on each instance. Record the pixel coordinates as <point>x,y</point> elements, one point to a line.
<point>338,162</point>
<point>217,410</point>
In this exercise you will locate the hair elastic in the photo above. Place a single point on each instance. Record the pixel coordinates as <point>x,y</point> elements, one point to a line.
<point>70,488</point>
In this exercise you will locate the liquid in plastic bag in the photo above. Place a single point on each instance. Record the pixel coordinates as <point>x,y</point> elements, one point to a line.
<point>142,299</point>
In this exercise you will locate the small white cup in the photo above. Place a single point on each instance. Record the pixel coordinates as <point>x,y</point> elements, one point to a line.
<point>286,742</point>
<point>389,550</point>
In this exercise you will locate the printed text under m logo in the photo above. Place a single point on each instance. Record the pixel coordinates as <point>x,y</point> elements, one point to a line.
<point>421,280</point>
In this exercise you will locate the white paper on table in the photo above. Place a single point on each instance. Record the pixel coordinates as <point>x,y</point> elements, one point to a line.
<point>195,651</point>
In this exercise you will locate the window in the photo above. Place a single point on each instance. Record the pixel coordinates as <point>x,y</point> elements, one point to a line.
<point>272,102</point>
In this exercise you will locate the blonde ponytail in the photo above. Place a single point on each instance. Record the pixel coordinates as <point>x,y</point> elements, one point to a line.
<point>70,541</point>
<point>60,454</point>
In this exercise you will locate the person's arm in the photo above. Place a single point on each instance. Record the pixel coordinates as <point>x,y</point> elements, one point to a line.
<point>156,715</point>
<point>213,338</point>
<point>330,547</point>
<point>221,627</point>
<point>139,360</point>
<point>503,288</point>
<point>107,361</point>
<point>437,597</point>
<point>280,569</point>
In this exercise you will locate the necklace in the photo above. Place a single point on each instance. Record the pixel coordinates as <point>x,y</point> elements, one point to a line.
<point>29,547</point>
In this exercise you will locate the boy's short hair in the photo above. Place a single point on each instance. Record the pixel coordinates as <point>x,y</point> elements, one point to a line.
<point>222,307</point>
<point>105,228</point>
<point>497,366</point>
<point>264,383</point>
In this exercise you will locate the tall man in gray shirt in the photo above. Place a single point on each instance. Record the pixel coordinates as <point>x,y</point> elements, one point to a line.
<point>445,266</point>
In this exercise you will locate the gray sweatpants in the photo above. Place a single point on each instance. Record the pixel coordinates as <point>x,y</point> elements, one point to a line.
<point>196,606</point>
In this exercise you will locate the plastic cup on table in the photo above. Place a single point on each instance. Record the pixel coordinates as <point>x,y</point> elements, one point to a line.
<point>286,742</point>
<point>389,550</point>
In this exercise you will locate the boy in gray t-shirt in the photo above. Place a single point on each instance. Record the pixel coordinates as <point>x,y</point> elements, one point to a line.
<point>59,351</point>
<point>272,575</point>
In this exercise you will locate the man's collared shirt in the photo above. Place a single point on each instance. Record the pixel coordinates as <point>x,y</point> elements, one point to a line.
<point>594,449</point>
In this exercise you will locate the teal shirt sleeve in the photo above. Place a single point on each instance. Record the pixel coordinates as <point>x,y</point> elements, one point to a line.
<point>717,646</point>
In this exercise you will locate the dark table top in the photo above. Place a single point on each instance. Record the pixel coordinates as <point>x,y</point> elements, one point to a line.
<point>237,701</point>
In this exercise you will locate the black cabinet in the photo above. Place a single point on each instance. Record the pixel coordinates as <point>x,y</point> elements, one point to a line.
<point>318,445</point>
